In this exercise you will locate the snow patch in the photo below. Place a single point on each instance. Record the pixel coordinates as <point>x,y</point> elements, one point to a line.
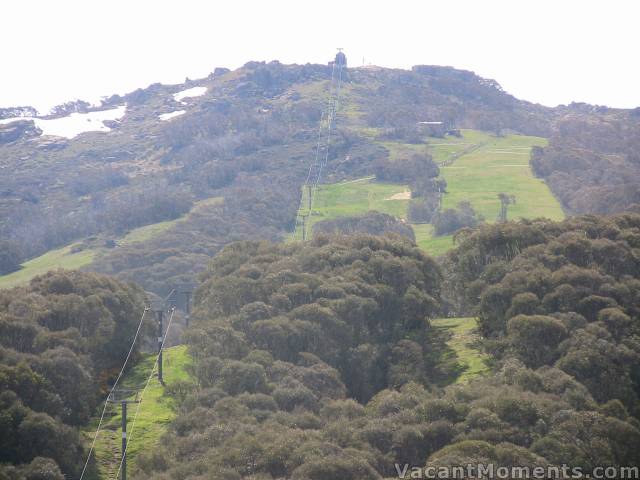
<point>168,116</point>
<point>189,93</point>
<point>75,123</point>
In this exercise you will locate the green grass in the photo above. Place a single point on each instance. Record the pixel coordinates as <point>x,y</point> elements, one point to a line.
<point>147,232</point>
<point>53,259</point>
<point>490,166</point>
<point>359,196</point>
<point>353,198</point>
<point>440,149</point>
<point>156,411</point>
<point>66,257</point>
<point>484,165</point>
<point>470,361</point>
<point>430,243</point>
<point>499,164</point>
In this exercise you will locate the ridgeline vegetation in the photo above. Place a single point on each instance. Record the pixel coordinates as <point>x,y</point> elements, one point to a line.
<point>62,339</point>
<point>592,163</point>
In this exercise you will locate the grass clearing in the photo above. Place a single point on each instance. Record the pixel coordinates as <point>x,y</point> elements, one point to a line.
<point>70,257</point>
<point>469,360</point>
<point>81,253</point>
<point>147,232</point>
<point>157,410</point>
<point>430,243</point>
<point>484,165</point>
<point>499,164</point>
<point>64,257</point>
<point>355,197</point>
<point>398,150</point>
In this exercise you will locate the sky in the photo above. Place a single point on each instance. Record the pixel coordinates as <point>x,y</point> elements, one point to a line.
<point>548,52</point>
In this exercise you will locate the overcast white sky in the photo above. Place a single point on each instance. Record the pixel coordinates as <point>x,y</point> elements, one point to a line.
<point>546,51</point>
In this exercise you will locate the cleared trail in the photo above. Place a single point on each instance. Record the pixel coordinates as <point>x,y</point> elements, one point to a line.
<point>467,360</point>
<point>156,412</point>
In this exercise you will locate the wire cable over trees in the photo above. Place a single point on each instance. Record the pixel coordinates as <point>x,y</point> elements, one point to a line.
<point>327,122</point>
<point>106,402</point>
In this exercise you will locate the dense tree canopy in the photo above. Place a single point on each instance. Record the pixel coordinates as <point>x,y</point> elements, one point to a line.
<point>58,336</point>
<point>592,163</point>
<point>563,294</point>
<point>317,361</point>
<point>450,220</point>
<point>372,223</point>
<point>10,257</point>
<point>346,301</point>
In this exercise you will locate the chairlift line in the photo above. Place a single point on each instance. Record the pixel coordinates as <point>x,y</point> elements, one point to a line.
<point>327,121</point>
<point>106,402</point>
<point>140,398</point>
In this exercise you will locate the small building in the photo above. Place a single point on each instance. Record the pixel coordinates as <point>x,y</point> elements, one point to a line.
<point>341,59</point>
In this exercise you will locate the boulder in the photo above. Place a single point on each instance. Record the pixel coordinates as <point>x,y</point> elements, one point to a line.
<point>10,132</point>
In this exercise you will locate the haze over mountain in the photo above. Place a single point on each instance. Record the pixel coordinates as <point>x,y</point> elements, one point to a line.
<point>542,51</point>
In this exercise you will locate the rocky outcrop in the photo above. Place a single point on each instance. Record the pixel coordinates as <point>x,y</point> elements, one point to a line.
<point>13,131</point>
<point>220,71</point>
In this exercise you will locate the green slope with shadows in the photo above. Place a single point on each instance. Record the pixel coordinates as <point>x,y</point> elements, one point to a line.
<point>466,360</point>
<point>355,197</point>
<point>81,253</point>
<point>157,410</point>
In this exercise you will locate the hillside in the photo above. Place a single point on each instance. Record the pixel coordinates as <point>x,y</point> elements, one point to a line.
<point>245,135</point>
<point>353,197</point>
<point>78,255</point>
<point>476,167</point>
<point>592,162</point>
<point>444,307</point>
